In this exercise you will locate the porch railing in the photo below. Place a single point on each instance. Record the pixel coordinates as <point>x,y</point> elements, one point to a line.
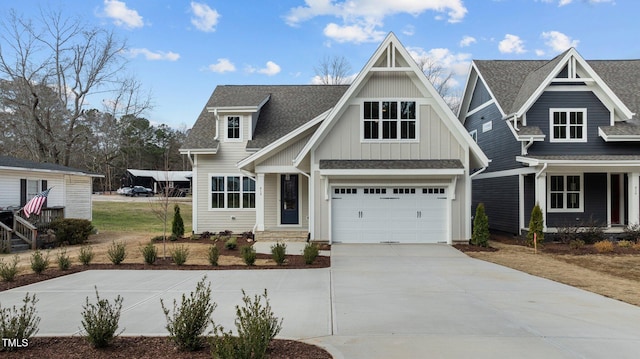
<point>25,230</point>
<point>5,238</point>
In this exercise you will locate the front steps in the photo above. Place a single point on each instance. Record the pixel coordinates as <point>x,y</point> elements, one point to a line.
<point>282,236</point>
<point>18,245</point>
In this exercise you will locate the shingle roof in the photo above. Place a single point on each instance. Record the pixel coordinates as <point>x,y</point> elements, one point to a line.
<point>288,107</point>
<point>6,161</point>
<point>622,129</point>
<point>530,131</point>
<point>513,82</point>
<point>390,164</point>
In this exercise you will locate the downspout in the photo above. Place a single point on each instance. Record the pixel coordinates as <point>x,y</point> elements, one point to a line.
<point>190,159</point>
<point>251,175</point>
<point>215,114</point>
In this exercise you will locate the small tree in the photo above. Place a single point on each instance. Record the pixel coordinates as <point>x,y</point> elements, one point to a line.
<point>536,225</point>
<point>177,228</point>
<point>480,236</point>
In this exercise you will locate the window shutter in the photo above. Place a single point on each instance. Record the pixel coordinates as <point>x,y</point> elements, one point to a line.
<point>23,192</point>
<point>44,187</point>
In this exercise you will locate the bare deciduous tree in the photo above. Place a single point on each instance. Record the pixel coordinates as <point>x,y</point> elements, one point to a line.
<point>441,78</point>
<point>333,71</point>
<point>50,67</point>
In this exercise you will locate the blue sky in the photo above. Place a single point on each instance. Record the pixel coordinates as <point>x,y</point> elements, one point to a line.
<point>181,50</point>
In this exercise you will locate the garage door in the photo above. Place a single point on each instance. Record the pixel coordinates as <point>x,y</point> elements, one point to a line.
<point>389,214</point>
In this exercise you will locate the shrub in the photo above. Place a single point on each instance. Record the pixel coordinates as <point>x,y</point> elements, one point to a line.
<point>248,235</point>
<point>177,227</point>
<point>256,325</point>
<point>632,232</point>
<point>536,225</point>
<point>212,255</point>
<point>248,255</point>
<point>149,253</point>
<point>117,252</point>
<point>72,230</point>
<point>568,233</point>
<point>19,323</point>
<point>310,253</point>
<point>100,320</point>
<point>158,239</point>
<point>190,319</point>
<point>591,231</point>
<point>278,253</point>
<point>8,271</point>
<point>205,235</point>
<point>173,237</point>
<point>231,243</point>
<point>603,246</point>
<point>480,235</point>
<point>179,254</point>
<point>576,244</point>
<point>39,263</point>
<point>624,243</point>
<point>86,255</point>
<point>64,262</point>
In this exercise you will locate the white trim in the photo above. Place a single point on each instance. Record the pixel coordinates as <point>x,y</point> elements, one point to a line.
<point>565,192</point>
<point>260,210</point>
<point>276,169</point>
<point>474,135</point>
<point>24,169</point>
<point>241,123</point>
<point>398,120</point>
<point>617,138</point>
<point>568,125</point>
<point>392,172</point>
<point>279,203</point>
<point>574,88</point>
<point>481,107</point>
<point>521,218</point>
<point>199,151</point>
<point>484,83</point>
<point>505,173</point>
<point>194,195</point>
<point>579,163</point>
<point>226,192</point>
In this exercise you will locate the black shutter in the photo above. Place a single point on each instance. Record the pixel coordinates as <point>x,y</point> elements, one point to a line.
<point>44,188</point>
<point>23,192</point>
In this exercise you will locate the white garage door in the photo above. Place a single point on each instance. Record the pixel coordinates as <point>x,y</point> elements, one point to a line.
<point>389,214</point>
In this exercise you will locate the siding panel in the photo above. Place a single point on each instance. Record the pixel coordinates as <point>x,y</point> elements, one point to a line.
<point>500,198</point>
<point>381,85</point>
<point>480,95</point>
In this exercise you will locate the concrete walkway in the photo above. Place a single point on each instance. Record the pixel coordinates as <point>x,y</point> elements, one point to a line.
<point>377,301</point>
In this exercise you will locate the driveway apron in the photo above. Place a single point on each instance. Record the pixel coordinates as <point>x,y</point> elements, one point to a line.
<point>431,301</point>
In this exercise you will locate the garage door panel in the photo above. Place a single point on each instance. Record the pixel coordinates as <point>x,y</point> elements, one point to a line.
<point>403,214</point>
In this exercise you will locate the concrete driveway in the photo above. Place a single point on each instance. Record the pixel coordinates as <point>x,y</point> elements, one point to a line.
<point>377,301</point>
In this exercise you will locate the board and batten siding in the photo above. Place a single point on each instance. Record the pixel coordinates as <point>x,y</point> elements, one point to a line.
<point>223,163</point>
<point>78,194</point>
<point>390,85</point>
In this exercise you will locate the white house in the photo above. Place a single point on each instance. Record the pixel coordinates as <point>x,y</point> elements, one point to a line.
<point>381,160</point>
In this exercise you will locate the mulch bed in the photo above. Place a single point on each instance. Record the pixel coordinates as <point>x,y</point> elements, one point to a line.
<point>147,347</point>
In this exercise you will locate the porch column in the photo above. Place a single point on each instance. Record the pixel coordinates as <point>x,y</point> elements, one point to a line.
<point>541,196</point>
<point>634,197</point>
<point>260,202</point>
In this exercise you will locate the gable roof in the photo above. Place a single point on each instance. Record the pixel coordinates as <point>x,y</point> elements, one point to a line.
<point>7,162</point>
<point>391,55</point>
<point>282,109</point>
<point>514,83</point>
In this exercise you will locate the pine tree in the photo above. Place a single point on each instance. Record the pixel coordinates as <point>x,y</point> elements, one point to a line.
<point>177,228</point>
<point>480,236</point>
<point>536,225</point>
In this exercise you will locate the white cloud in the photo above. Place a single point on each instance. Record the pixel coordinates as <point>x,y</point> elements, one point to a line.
<point>558,41</point>
<point>204,18</point>
<point>362,17</point>
<point>222,66</point>
<point>511,44</point>
<point>353,33</point>
<point>458,63</point>
<point>540,52</point>
<point>154,56</point>
<point>467,41</point>
<point>122,15</point>
<point>409,30</point>
<point>567,2</point>
<point>270,69</point>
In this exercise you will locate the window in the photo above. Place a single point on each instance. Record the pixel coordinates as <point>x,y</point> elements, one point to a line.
<point>233,128</point>
<point>33,187</point>
<point>474,135</point>
<point>565,193</point>
<point>398,120</point>
<point>568,125</point>
<point>233,192</point>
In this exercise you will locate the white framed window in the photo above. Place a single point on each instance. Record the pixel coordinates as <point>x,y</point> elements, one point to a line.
<point>389,120</point>
<point>33,188</point>
<point>565,193</point>
<point>232,192</point>
<point>568,124</point>
<point>474,135</point>
<point>234,128</point>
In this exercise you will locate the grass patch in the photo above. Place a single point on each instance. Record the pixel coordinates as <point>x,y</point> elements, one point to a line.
<point>134,217</point>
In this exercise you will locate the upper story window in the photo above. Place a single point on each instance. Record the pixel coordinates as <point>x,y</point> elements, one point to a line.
<point>234,128</point>
<point>389,120</point>
<point>568,125</point>
<point>565,193</point>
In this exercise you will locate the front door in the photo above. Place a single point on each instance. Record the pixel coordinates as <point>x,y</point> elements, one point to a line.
<point>289,212</point>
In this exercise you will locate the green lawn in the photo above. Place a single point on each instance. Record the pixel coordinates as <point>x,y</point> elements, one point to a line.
<point>136,216</point>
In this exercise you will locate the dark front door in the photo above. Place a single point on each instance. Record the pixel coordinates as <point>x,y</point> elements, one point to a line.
<point>289,212</point>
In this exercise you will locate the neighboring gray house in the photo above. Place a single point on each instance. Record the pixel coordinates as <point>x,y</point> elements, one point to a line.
<point>381,160</point>
<point>20,180</point>
<point>562,133</point>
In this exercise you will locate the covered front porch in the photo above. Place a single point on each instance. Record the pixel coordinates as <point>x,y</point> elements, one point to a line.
<point>595,191</point>
<point>18,232</point>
